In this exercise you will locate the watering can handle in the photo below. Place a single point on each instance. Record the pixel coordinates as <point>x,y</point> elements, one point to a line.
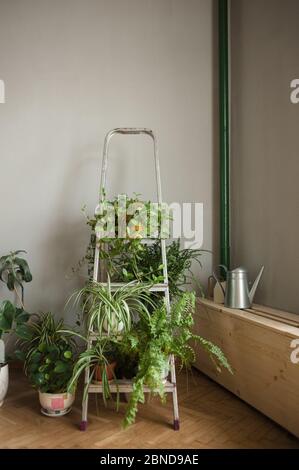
<point>216,278</point>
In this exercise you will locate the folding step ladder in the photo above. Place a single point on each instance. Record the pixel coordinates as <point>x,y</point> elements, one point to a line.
<point>126,386</point>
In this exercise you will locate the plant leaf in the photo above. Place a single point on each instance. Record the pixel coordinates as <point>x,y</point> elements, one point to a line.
<point>24,267</point>
<point>7,312</point>
<point>60,367</point>
<point>20,355</point>
<point>23,331</point>
<point>67,354</point>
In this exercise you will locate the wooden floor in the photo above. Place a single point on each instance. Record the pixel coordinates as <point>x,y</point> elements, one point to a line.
<point>211,418</point>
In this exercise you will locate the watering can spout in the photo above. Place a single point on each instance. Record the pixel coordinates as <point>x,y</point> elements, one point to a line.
<point>255,284</point>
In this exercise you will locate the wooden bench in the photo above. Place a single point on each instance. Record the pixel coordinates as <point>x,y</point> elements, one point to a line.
<point>257,343</point>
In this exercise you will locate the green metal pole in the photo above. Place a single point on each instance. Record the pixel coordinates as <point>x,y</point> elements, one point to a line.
<point>224,133</point>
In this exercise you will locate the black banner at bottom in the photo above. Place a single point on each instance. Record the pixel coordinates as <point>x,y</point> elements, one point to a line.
<point>134,458</point>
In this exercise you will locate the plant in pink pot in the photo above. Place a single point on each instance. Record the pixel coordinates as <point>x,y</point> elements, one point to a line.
<point>49,358</point>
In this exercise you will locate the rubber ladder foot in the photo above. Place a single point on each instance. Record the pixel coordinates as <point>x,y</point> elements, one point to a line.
<point>176,425</point>
<point>83,426</point>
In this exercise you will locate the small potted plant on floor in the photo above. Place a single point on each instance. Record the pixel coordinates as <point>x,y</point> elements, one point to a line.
<point>49,358</point>
<point>14,271</point>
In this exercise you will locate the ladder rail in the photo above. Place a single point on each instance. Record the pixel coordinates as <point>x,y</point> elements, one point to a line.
<point>130,131</point>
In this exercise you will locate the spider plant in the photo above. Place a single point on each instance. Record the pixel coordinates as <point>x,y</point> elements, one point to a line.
<point>112,310</point>
<point>96,356</point>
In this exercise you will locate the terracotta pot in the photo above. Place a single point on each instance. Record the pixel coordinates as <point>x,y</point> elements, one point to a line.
<point>109,370</point>
<point>56,404</point>
<point>3,382</point>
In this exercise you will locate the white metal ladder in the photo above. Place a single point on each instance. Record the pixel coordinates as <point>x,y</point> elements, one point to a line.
<point>126,386</point>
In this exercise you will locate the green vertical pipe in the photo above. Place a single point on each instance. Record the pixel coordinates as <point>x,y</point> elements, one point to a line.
<point>224,133</point>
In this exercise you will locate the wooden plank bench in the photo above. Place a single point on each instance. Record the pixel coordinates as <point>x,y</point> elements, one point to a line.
<point>257,343</point>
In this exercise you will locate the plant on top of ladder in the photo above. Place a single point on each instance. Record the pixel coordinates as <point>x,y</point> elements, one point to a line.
<point>128,259</point>
<point>49,355</point>
<point>14,272</point>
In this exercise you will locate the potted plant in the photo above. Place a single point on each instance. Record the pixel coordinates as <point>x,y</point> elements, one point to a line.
<point>100,359</point>
<point>49,356</point>
<point>154,338</point>
<point>14,271</point>
<point>150,338</point>
<point>111,311</point>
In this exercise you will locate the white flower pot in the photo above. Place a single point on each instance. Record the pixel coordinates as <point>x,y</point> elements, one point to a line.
<point>3,382</point>
<point>115,326</point>
<point>56,404</point>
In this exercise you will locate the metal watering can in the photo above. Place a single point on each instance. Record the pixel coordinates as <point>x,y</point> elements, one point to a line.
<point>237,293</point>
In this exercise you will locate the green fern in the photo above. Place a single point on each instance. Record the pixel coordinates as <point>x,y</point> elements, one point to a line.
<point>154,338</point>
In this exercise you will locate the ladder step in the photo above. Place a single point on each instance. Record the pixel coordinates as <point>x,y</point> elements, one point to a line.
<point>125,386</point>
<point>154,288</point>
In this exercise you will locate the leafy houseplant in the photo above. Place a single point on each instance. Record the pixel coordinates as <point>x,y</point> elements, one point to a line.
<point>14,271</point>
<point>129,259</point>
<point>100,359</point>
<point>49,358</point>
<point>154,339</point>
<point>12,320</point>
<point>109,313</point>
<point>146,340</point>
<point>145,266</point>
<point>110,310</point>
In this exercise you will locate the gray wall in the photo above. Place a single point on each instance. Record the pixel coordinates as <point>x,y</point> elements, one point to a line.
<point>74,69</point>
<point>265,143</point>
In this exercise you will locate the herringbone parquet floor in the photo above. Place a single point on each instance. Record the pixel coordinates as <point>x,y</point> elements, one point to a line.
<point>211,417</point>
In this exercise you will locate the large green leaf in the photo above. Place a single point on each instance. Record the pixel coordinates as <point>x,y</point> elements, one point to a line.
<point>23,331</point>
<point>4,263</point>
<point>39,379</point>
<point>21,316</point>
<point>7,312</point>
<point>35,357</point>
<point>10,281</point>
<point>22,263</point>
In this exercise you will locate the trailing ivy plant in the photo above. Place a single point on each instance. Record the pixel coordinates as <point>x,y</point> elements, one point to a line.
<point>130,258</point>
<point>126,221</point>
